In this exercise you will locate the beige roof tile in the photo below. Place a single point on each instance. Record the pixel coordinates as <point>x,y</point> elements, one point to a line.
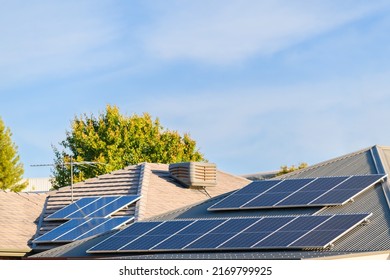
<point>19,214</point>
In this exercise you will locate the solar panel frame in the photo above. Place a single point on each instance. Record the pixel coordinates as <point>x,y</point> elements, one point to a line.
<point>110,224</point>
<point>115,206</point>
<point>77,229</point>
<point>92,207</point>
<point>300,193</point>
<point>59,231</point>
<point>89,209</point>
<point>71,208</point>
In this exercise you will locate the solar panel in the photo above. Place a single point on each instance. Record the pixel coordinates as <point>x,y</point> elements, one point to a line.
<point>302,232</point>
<point>71,208</point>
<point>297,193</point>
<point>81,228</point>
<point>98,207</point>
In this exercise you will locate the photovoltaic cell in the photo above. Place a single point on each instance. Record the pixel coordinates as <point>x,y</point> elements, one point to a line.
<point>114,206</point>
<point>257,187</point>
<point>71,208</point>
<point>90,208</point>
<point>303,232</point>
<point>81,228</point>
<point>111,224</point>
<point>297,193</point>
<point>60,230</point>
<point>93,207</point>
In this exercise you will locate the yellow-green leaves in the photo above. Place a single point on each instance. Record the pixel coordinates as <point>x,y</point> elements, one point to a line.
<point>11,170</point>
<point>117,141</point>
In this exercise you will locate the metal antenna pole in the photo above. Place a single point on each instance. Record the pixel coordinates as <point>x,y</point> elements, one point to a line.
<point>71,178</point>
<point>71,163</point>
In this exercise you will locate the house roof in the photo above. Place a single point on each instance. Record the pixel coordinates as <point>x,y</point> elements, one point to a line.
<point>159,192</point>
<point>19,216</point>
<point>371,238</point>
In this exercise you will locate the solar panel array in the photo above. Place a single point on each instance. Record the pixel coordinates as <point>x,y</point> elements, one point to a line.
<point>302,232</point>
<point>93,207</point>
<point>77,229</point>
<point>305,192</point>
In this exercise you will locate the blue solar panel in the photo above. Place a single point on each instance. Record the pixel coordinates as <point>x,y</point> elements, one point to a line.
<point>335,197</point>
<point>300,198</point>
<point>71,208</point>
<point>297,193</point>
<point>81,228</point>
<point>114,206</point>
<point>267,199</point>
<point>112,223</point>
<point>60,230</point>
<point>359,182</point>
<point>280,239</point>
<point>210,241</point>
<point>92,207</point>
<point>290,186</point>
<point>229,234</point>
<point>97,207</point>
<point>324,184</point>
<point>188,234</point>
<point>329,230</point>
<point>258,187</point>
<point>234,201</point>
<point>244,240</point>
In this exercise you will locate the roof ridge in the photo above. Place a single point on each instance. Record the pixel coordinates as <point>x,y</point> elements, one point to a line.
<point>143,186</point>
<point>326,162</point>
<point>233,175</point>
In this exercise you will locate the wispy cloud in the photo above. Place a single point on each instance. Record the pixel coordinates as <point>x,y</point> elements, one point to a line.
<point>224,32</point>
<point>47,39</point>
<point>269,126</point>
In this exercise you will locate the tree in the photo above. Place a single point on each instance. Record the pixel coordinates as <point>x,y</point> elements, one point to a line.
<point>11,170</point>
<point>115,141</point>
<point>284,169</point>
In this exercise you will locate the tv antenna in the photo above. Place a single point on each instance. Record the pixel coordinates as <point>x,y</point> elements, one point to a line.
<point>71,163</point>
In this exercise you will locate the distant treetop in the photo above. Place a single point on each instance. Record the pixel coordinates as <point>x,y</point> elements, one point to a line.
<point>115,141</point>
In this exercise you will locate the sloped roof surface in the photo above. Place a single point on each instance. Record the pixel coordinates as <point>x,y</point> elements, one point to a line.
<point>19,214</point>
<point>159,192</point>
<point>373,237</point>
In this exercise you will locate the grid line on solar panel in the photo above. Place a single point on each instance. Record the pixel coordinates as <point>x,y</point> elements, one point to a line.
<point>71,208</point>
<point>299,193</point>
<point>93,207</point>
<point>58,231</point>
<point>112,223</point>
<point>288,232</point>
<point>114,206</point>
<point>330,230</point>
<point>81,228</point>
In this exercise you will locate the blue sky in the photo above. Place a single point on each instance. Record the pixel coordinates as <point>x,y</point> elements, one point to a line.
<point>257,84</point>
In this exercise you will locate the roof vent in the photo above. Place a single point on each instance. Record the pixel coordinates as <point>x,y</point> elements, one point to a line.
<point>194,174</point>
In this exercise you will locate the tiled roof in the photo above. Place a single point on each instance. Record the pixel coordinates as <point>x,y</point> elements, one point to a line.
<point>371,238</point>
<point>19,214</point>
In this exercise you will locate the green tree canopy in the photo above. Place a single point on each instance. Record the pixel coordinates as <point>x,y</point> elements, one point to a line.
<point>115,141</point>
<point>11,169</point>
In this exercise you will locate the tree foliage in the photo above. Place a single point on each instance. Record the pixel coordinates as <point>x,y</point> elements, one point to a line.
<point>284,169</point>
<point>11,169</point>
<point>116,141</point>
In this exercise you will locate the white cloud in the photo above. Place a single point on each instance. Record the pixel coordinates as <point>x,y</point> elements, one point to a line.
<point>223,32</point>
<point>264,127</point>
<point>47,39</point>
